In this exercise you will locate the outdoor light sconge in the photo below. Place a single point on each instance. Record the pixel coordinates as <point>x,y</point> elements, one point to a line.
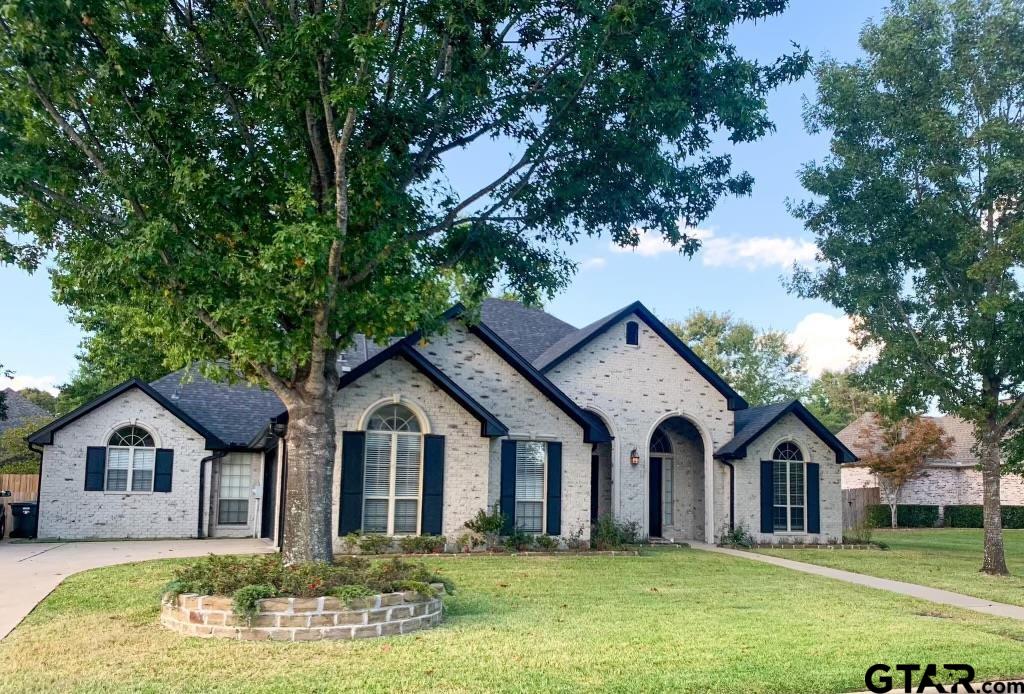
<point>634,458</point>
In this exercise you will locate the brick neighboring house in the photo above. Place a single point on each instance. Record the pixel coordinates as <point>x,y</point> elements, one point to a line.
<point>953,481</point>
<point>556,424</point>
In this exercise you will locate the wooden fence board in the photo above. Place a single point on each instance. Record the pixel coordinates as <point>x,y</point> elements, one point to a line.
<point>855,505</point>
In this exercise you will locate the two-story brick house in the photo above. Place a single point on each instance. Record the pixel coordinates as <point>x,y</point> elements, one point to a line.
<point>557,425</point>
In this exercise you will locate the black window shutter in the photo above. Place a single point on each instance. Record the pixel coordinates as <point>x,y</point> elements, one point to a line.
<point>353,444</point>
<point>813,499</point>
<point>95,468</point>
<point>433,484</point>
<point>163,470</point>
<point>508,485</point>
<point>767,496</point>
<point>554,519</point>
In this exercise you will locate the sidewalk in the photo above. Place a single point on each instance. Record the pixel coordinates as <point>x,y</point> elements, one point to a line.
<point>30,571</point>
<point>943,597</point>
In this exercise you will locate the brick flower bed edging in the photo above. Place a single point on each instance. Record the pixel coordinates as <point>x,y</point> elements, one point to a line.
<point>823,545</point>
<point>302,619</point>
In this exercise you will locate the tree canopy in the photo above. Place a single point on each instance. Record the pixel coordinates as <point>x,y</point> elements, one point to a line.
<point>759,364</point>
<point>252,183</point>
<point>917,212</point>
<point>839,397</point>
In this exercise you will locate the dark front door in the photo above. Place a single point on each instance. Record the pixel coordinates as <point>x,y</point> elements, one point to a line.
<point>269,490</point>
<point>655,497</point>
<point>595,486</point>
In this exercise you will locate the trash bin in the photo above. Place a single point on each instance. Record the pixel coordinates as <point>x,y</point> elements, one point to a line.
<point>26,519</point>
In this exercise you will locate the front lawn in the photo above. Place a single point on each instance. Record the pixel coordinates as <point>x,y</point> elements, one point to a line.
<point>673,620</point>
<point>947,558</point>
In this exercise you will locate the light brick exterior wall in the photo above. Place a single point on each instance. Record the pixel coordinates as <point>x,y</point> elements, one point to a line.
<point>748,481</point>
<point>635,388</point>
<point>940,486</point>
<point>526,411</point>
<point>467,453</point>
<point>69,512</point>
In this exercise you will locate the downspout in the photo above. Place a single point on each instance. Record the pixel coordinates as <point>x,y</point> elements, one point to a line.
<point>202,488</point>
<point>39,487</point>
<point>732,493</point>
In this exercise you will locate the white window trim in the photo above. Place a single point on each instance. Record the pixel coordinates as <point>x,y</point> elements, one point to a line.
<point>788,505</point>
<point>543,492</point>
<point>131,470</point>
<point>391,498</point>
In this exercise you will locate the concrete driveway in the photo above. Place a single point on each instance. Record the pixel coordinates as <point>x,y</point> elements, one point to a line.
<point>30,571</point>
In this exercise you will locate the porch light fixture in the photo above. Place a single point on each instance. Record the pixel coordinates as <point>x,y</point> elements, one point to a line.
<point>634,458</point>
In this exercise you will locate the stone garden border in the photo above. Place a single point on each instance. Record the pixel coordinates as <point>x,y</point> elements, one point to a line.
<point>303,619</point>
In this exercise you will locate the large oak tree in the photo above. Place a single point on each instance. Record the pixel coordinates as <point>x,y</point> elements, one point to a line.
<point>255,181</point>
<point>917,213</point>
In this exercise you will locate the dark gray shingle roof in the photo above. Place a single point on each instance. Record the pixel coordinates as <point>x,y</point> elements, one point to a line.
<point>237,413</point>
<point>20,410</point>
<point>752,421</point>
<point>529,331</point>
<point>570,340</point>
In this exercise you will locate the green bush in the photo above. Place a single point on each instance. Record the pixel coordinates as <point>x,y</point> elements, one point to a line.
<point>245,600</point>
<point>546,543</point>
<point>248,579</point>
<point>518,541</point>
<point>974,517</point>
<point>609,533</point>
<point>907,516</point>
<point>488,525</point>
<point>422,544</point>
<point>859,534</point>
<point>737,537</point>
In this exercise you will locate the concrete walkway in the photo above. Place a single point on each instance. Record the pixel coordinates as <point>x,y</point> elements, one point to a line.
<point>30,571</point>
<point>943,597</point>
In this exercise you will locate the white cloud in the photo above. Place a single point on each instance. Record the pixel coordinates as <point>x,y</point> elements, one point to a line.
<point>595,263</point>
<point>753,252</point>
<point>48,383</point>
<point>649,245</point>
<point>747,252</point>
<point>826,343</point>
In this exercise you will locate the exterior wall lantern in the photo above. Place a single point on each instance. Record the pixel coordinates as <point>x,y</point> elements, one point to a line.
<point>634,457</point>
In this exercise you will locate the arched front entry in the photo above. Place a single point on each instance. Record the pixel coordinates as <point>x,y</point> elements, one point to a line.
<point>675,481</point>
<point>601,457</point>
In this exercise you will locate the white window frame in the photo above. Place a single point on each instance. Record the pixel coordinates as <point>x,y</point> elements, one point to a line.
<point>393,497</point>
<point>668,479</point>
<point>131,463</point>
<point>247,464</point>
<point>789,505</point>
<point>543,491</point>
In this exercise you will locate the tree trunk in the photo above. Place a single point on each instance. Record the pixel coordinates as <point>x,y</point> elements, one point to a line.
<point>311,449</point>
<point>892,514</point>
<point>995,559</point>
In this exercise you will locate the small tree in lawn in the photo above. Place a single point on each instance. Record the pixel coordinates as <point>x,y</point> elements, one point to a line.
<point>898,450</point>
<point>918,219</point>
<point>256,181</point>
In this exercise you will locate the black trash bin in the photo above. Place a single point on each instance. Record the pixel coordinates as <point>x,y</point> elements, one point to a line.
<point>26,519</point>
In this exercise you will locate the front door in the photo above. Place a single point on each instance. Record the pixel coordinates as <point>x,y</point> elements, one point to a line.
<point>655,498</point>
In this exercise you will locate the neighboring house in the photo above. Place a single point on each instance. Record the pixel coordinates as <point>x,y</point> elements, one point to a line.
<point>952,481</point>
<point>556,424</point>
<point>20,410</point>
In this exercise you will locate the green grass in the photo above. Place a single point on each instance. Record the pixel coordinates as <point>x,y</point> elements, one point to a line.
<point>948,558</point>
<point>673,620</point>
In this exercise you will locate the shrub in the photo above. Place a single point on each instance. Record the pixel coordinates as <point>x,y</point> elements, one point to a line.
<point>1013,517</point>
<point>546,542</point>
<point>487,525</point>
<point>609,533</point>
<point>518,541</point>
<point>469,540</point>
<point>860,534</point>
<point>248,579</point>
<point>246,599</point>
<point>422,544</point>
<point>737,536</point>
<point>907,516</point>
<point>974,517</point>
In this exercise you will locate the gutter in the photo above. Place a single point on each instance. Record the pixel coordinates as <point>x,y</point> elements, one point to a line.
<point>39,487</point>
<point>202,488</point>
<point>732,493</point>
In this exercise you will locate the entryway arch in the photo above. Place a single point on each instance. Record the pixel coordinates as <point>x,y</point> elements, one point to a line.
<point>677,493</point>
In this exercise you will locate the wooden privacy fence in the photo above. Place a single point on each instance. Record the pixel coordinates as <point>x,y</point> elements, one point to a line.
<point>855,505</point>
<point>22,487</point>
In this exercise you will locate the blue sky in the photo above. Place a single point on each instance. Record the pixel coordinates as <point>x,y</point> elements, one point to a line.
<point>750,242</point>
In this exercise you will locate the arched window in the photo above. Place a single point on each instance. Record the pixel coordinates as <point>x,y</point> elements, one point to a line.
<point>790,511</point>
<point>660,442</point>
<point>393,471</point>
<point>632,333</point>
<point>131,455</point>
